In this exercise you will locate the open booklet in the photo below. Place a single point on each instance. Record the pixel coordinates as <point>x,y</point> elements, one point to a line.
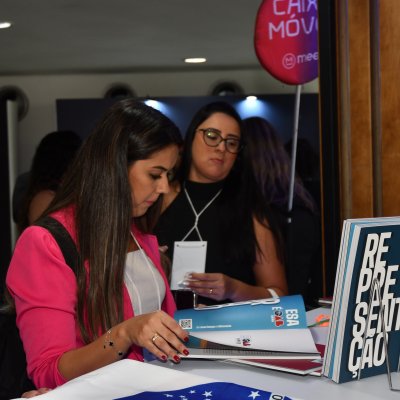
<point>318,321</point>
<point>274,328</point>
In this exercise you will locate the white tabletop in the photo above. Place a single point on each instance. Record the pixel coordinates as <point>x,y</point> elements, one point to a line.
<point>127,377</point>
<point>300,387</point>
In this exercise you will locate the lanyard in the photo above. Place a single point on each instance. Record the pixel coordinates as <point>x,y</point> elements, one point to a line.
<point>197,214</point>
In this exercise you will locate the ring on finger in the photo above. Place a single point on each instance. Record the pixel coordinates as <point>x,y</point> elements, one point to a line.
<point>155,336</point>
<point>211,291</point>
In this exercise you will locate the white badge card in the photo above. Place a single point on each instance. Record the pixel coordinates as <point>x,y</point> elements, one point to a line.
<point>188,257</point>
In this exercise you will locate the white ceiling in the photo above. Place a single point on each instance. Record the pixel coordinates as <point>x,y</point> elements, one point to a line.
<point>77,36</point>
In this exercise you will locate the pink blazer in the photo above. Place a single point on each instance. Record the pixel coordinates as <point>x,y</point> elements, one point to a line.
<point>44,290</point>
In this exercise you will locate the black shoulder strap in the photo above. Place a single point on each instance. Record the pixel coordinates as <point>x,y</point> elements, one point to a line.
<point>63,239</point>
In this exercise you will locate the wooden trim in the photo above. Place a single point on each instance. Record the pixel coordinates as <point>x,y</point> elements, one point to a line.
<point>376,120</point>
<point>390,104</point>
<point>344,107</point>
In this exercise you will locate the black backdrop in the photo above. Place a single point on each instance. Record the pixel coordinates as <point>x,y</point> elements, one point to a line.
<point>81,115</point>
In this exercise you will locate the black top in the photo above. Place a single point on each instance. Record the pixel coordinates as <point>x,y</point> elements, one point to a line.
<point>302,248</point>
<point>177,220</point>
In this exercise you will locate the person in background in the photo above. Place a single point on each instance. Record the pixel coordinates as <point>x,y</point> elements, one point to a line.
<point>300,227</point>
<point>208,204</point>
<point>307,167</point>
<point>53,155</point>
<point>118,302</point>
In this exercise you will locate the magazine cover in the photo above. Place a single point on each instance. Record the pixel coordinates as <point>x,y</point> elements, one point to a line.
<point>276,326</point>
<point>372,252</point>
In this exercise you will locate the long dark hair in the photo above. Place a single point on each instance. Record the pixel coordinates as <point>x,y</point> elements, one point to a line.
<point>235,211</point>
<point>53,155</point>
<point>271,165</point>
<point>267,180</point>
<point>97,186</point>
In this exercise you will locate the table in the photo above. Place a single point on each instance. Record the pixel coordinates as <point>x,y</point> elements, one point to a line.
<point>126,378</point>
<point>300,387</point>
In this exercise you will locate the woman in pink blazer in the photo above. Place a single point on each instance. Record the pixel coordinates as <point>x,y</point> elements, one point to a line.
<point>118,302</point>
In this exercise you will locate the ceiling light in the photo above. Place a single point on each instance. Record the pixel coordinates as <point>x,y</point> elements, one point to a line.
<point>152,103</point>
<point>5,24</point>
<point>195,60</point>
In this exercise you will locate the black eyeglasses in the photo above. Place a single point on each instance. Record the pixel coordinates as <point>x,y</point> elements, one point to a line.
<point>212,137</point>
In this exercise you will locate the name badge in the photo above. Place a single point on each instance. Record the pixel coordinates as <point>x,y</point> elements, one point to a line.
<point>188,257</point>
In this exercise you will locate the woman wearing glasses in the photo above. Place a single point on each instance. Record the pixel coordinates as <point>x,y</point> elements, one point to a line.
<point>210,204</point>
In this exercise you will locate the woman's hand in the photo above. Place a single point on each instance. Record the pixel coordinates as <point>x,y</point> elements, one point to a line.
<point>212,285</point>
<point>221,287</point>
<point>158,333</point>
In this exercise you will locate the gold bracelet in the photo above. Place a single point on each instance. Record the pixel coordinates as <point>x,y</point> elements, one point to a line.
<point>108,342</point>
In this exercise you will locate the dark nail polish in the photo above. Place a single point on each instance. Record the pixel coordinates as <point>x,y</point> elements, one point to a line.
<point>163,357</point>
<point>177,359</point>
<point>186,352</point>
<point>186,339</point>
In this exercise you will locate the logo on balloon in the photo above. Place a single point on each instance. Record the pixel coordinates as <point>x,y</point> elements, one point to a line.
<point>289,61</point>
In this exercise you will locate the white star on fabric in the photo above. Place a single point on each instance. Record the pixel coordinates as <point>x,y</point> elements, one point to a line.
<point>207,394</point>
<point>168,395</point>
<point>254,394</point>
<point>192,391</point>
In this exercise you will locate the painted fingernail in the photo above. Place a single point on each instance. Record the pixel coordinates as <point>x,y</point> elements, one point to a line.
<point>163,357</point>
<point>186,339</point>
<point>186,352</point>
<point>177,359</point>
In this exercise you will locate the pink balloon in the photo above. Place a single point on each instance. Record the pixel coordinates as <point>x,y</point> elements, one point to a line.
<point>286,39</point>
